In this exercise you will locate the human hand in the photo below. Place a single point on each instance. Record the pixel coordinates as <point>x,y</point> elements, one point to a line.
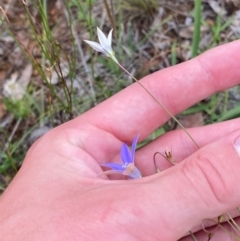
<point>59,195</point>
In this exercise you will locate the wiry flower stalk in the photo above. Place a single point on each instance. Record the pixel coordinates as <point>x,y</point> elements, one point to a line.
<point>105,46</point>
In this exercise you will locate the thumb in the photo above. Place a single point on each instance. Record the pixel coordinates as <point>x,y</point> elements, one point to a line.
<point>203,186</point>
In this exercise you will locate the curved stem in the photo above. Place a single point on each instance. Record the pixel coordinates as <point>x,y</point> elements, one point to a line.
<point>158,102</point>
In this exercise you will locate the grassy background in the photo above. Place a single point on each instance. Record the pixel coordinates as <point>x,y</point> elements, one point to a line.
<point>61,77</point>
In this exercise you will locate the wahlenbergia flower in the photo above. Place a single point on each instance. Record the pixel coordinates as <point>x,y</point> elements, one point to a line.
<point>127,168</point>
<point>105,45</point>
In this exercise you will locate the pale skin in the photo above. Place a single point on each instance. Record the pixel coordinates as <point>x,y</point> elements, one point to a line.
<point>59,195</point>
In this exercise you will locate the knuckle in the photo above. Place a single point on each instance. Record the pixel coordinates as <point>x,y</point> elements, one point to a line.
<point>206,174</point>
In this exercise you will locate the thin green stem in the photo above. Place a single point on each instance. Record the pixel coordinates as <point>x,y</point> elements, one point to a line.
<point>8,153</point>
<point>91,35</point>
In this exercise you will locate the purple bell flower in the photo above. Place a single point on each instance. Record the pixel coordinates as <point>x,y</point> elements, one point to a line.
<point>127,168</point>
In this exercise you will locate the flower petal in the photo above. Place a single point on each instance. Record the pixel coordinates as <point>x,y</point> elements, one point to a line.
<point>102,39</point>
<point>110,37</point>
<point>126,154</point>
<point>96,46</point>
<point>134,145</point>
<point>114,166</point>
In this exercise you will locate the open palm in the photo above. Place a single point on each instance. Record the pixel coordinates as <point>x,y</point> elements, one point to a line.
<point>59,193</point>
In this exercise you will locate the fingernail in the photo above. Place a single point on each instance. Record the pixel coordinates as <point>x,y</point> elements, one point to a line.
<point>237,145</point>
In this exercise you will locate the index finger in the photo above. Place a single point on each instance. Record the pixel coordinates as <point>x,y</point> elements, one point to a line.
<point>134,111</point>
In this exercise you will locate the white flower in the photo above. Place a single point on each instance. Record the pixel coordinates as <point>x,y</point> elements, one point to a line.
<point>105,44</point>
<point>12,89</point>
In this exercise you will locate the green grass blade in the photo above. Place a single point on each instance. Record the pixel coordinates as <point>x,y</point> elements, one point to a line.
<point>174,53</point>
<point>197,27</point>
<point>233,113</point>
